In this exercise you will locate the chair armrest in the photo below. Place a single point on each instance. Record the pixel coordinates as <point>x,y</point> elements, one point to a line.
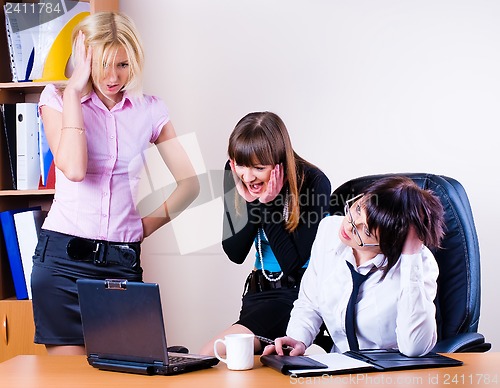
<point>462,343</point>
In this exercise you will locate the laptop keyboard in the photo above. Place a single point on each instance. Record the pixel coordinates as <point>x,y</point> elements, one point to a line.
<point>179,360</point>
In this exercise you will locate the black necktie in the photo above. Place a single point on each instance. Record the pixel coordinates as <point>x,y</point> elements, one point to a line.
<point>350,318</point>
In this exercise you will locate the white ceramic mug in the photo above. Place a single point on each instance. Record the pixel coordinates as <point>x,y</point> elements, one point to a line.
<point>239,351</point>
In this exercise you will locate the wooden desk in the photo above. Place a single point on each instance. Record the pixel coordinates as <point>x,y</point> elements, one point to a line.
<point>482,369</point>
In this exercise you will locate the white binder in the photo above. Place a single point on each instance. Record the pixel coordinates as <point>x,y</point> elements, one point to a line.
<point>28,158</point>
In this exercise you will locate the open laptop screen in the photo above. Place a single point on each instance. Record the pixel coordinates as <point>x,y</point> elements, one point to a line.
<point>123,320</point>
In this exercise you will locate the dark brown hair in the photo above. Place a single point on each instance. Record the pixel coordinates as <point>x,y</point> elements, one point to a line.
<point>262,138</point>
<point>392,204</point>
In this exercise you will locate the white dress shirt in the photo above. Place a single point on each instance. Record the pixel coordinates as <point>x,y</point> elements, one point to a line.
<point>395,312</point>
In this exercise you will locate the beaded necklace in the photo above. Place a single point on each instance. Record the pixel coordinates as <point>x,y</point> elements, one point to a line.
<point>259,242</point>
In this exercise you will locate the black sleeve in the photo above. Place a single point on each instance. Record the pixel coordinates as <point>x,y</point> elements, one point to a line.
<point>240,223</point>
<point>292,250</point>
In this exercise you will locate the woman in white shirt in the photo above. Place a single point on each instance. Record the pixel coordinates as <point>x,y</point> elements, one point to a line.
<point>385,235</point>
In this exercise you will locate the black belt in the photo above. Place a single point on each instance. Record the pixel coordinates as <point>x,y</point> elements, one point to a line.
<point>102,253</point>
<point>256,281</point>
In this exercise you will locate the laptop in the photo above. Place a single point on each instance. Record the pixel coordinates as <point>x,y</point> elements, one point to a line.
<point>124,331</point>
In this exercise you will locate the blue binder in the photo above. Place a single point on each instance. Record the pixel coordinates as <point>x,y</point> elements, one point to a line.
<point>13,251</point>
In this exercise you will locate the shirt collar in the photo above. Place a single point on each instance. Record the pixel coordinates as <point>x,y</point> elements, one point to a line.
<point>378,261</point>
<point>346,251</point>
<point>92,96</point>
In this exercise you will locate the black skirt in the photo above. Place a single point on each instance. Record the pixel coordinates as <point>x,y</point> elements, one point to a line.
<point>53,283</point>
<point>267,313</point>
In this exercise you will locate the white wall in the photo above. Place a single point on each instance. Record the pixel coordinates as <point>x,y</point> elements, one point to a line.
<point>367,86</point>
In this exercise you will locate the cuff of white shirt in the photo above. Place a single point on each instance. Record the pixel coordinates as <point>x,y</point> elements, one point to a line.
<point>412,267</point>
<point>302,335</point>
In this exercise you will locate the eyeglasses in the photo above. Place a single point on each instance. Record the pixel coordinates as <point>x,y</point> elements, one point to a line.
<point>355,232</point>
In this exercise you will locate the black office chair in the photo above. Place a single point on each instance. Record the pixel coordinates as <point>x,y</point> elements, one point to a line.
<point>459,283</point>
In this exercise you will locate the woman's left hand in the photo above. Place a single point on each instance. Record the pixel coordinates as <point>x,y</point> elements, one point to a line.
<point>274,186</point>
<point>412,244</point>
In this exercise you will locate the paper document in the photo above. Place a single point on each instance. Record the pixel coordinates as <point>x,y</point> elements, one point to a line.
<point>335,362</point>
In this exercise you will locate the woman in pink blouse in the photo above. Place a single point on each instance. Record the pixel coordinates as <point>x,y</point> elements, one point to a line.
<point>98,127</point>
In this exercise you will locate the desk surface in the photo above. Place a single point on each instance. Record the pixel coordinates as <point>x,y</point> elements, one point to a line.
<point>479,369</point>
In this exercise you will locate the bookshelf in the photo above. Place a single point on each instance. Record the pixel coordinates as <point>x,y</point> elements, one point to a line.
<point>16,316</point>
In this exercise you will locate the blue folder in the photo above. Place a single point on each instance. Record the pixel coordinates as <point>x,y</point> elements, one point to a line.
<point>13,251</point>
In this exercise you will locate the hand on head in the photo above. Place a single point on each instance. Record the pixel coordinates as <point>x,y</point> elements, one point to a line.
<point>83,64</point>
<point>413,243</point>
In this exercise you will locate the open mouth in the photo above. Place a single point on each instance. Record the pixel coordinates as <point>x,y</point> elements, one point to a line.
<point>255,188</point>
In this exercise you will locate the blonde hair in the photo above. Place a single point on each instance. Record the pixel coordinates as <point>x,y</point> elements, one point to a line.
<point>106,32</point>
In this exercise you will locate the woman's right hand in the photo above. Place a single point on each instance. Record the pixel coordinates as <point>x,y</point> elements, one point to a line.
<point>274,185</point>
<point>83,64</point>
<point>298,347</point>
<point>240,186</point>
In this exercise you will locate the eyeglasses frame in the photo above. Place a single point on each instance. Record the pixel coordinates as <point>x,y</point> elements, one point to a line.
<point>350,219</point>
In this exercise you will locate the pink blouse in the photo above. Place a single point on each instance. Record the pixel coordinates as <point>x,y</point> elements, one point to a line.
<point>103,205</point>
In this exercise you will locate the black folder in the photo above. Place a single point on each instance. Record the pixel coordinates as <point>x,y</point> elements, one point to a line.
<point>394,360</point>
<point>355,362</point>
<point>286,364</point>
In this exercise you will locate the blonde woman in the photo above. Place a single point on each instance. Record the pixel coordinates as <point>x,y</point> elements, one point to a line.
<point>97,127</point>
